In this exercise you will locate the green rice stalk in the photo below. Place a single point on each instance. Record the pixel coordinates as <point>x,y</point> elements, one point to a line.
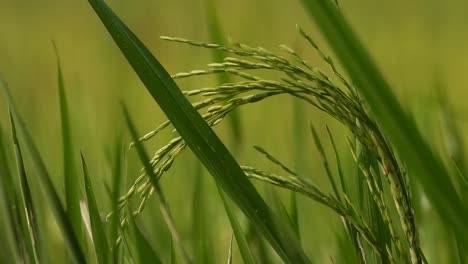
<point>328,97</point>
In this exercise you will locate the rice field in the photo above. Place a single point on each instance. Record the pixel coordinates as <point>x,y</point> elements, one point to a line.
<point>247,132</point>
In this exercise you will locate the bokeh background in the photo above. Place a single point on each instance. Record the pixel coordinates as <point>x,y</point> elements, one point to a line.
<point>419,45</point>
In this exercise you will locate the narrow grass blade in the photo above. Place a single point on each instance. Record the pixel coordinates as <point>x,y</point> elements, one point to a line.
<point>461,175</point>
<point>299,129</point>
<point>10,228</point>
<point>278,205</point>
<point>293,213</point>
<point>242,243</point>
<point>351,231</point>
<point>71,179</point>
<point>286,214</point>
<point>383,232</point>
<point>343,184</point>
<point>345,253</point>
<point>173,254</point>
<point>326,165</point>
<point>230,251</point>
<point>425,166</point>
<point>162,201</point>
<point>203,252</point>
<point>275,160</point>
<point>10,253</point>
<point>452,138</point>
<point>258,245</point>
<point>217,36</point>
<point>141,246</point>
<point>200,137</point>
<point>26,211</point>
<point>46,183</point>
<point>115,194</point>
<point>101,245</point>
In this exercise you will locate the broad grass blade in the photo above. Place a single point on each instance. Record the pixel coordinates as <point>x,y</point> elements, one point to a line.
<point>46,183</point>
<point>101,246</point>
<point>423,164</point>
<point>200,137</point>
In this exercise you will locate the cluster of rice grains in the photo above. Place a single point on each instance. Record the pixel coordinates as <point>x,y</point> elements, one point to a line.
<point>341,101</point>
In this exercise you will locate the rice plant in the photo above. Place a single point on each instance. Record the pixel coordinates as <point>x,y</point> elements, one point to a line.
<point>391,158</point>
<point>337,98</point>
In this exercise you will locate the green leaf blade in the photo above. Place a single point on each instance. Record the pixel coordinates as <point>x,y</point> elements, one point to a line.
<point>114,194</point>
<point>242,243</point>
<point>27,216</point>
<point>101,245</point>
<point>201,232</point>
<point>10,230</point>
<point>71,181</point>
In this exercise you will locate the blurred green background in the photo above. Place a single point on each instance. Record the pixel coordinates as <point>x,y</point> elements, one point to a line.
<point>417,44</point>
